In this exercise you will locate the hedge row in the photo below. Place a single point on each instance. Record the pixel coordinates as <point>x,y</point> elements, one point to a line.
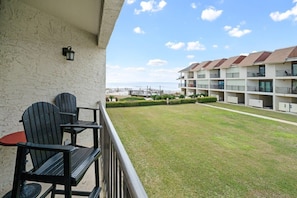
<point>159,102</point>
<point>206,99</point>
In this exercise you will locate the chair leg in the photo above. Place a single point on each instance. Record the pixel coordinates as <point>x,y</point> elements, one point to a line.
<point>53,191</point>
<point>20,166</point>
<point>73,139</point>
<point>97,176</point>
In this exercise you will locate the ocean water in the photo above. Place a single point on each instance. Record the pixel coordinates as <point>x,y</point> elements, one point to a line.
<point>165,86</point>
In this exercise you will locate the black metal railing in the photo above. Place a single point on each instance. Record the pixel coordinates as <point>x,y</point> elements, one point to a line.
<point>119,176</point>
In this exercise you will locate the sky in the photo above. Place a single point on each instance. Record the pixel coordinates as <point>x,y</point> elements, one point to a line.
<point>154,39</point>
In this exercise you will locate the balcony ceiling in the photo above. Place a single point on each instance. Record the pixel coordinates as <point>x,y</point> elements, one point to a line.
<point>94,16</point>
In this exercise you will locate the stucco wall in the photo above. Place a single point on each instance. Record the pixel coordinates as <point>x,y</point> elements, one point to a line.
<point>33,69</point>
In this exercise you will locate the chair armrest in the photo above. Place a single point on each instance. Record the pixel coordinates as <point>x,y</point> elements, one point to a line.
<point>73,115</point>
<point>88,108</point>
<point>93,126</point>
<point>47,147</point>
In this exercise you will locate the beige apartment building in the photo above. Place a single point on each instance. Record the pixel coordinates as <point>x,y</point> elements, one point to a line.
<point>261,79</point>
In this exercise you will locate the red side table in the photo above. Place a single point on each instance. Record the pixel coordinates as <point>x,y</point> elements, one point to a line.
<point>13,138</point>
<point>29,190</point>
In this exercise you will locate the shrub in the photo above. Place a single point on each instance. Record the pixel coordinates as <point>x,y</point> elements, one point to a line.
<point>132,98</point>
<point>135,103</point>
<point>206,99</point>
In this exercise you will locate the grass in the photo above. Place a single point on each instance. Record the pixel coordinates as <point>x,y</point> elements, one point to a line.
<point>197,151</point>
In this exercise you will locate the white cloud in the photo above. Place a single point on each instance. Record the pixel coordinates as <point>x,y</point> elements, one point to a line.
<point>215,46</point>
<point>227,47</point>
<point>151,6</point>
<point>195,45</point>
<point>280,16</point>
<point>138,30</point>
<point>236,31</point>
<point>130,1</point>
<point>190,56</point>
<point>156,62</point>
<point>210,14</point>
<point>193,5</point>
<point>175,46</point>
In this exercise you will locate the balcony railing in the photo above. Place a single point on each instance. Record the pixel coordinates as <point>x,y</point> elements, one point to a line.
<point>255,74</point>
<point>201,76</point>
<point>214,75</point>
<point>217,86</point>
<point>259,89</point>
<point>232,75</point>
<point>119,176</point>
<point>284,73</point>
<point>202,86</point>
<point>285,90</point>
<point>235,87</point>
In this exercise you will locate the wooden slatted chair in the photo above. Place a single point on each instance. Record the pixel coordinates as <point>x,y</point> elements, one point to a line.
<point>53,162</point>
<point>70,114</point>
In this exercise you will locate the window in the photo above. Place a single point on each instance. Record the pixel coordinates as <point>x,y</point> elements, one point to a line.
<point>261,70</point>
<point>294,68</point>
<point>221,84</point>
<point>265,86</point>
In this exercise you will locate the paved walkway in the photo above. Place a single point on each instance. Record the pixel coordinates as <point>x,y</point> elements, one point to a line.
<point>255,115</point>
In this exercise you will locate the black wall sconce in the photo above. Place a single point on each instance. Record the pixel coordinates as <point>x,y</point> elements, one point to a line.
<point>67,51</point>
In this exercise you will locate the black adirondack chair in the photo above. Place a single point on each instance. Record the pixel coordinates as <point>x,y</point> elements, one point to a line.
<point>70,114</point>
<point>53,162</point>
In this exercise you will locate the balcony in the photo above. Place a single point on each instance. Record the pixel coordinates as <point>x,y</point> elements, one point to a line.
<point>214,76</point>
<point>201,76</point>
<point>285,90</point>
<point>255,74</point>
<point>285,73</point>
<point>232,75</point>
<point>217,86</point>
<point>235,88</point>
<point>259,89</point>
<point>199,86</point>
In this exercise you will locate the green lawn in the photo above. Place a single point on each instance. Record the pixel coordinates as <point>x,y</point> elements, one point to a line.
<point>196,151</point>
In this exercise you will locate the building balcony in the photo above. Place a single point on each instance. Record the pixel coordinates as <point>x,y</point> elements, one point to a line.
<point>201,76</point>
<point>217,86</point>
<point>214,76</point>
<point>232,75</point>
<point>118,177</point>
<point>259,89</point>
<point>199,86</point>
<point>285,90</point>
<point>235,88</point>
<point>255,74</point>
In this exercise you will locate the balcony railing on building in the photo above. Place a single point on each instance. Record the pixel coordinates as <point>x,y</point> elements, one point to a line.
<point>235,88</point>
<point>190,75</point>
<point>285,90</point>
<point>119,176</point>
<point>255,74</point>
<point>201,86</point>
<point>201,76</point>
<point>259,89</point>
<point>285,73</point>
<point>191,85</point>
<point>214,75</point>
<point>217,86</point>
<point>232,75</point>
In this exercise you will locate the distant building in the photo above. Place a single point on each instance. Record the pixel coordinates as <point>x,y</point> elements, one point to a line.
<point>262,79</point>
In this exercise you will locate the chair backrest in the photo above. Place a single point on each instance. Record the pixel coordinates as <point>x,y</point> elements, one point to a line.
<point>66,103</point>
<point>41,123</point>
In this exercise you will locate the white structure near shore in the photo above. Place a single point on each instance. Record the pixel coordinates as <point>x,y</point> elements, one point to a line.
<point>261,79</point>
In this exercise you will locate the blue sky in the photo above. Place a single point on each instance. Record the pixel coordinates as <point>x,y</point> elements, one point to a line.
<point>154,39</point>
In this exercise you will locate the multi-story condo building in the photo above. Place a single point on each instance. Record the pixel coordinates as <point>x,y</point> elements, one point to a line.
<point>261,79</point>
